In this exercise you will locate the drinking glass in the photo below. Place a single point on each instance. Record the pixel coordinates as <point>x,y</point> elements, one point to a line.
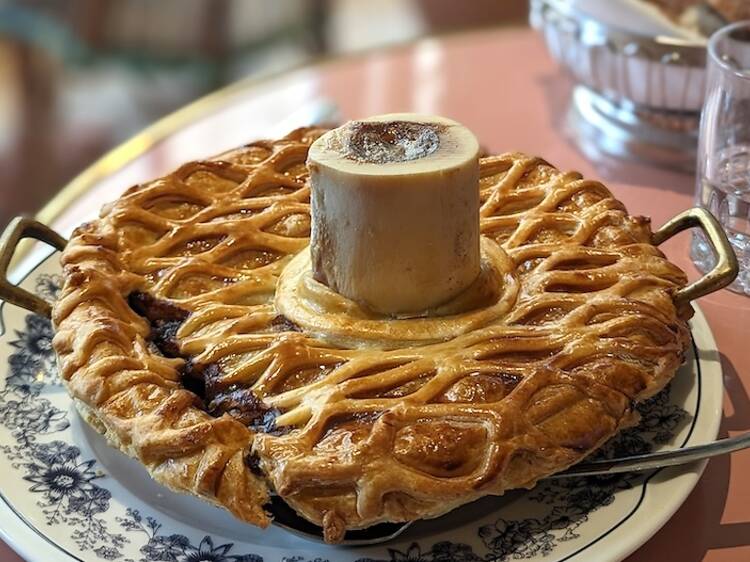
<point>723,174</point>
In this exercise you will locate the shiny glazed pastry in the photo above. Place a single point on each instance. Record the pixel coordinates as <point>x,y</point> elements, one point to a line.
<point>196,333</point>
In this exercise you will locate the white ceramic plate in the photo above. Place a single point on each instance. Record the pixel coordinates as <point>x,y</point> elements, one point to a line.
<point>66,495</point>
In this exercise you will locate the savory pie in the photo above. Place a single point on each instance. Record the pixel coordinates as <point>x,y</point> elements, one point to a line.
<point>171,344</point>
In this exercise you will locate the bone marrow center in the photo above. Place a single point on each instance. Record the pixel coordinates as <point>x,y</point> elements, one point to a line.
<point>390,141</point>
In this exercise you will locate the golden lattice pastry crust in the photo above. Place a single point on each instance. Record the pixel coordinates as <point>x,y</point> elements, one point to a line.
<point>354,431</point>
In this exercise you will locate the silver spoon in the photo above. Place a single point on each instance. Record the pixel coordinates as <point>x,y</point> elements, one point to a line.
<point>286,518</point>
<point>659,459</point>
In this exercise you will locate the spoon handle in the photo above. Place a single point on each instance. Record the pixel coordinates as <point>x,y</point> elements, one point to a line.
<point>659,459</point>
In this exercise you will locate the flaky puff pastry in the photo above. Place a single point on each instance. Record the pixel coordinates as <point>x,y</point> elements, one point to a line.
<point>171,342</point>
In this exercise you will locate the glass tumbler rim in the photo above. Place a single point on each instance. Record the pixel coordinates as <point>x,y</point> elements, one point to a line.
<point>714,55</point>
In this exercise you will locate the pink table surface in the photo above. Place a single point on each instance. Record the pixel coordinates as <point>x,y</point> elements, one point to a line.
<point>502,84</point>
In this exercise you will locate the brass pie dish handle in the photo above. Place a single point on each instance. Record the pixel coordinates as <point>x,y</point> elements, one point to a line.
<point>18,229</point>
<point>726,268</point>
<point>725,271</point>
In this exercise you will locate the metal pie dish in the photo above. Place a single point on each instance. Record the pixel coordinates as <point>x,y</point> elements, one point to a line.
<point>723,273</point>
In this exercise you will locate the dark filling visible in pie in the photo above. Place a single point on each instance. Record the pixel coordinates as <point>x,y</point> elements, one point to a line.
<point>197,378</point>
<point>204,380</point>
<point>282,324</point>
<point>243,405</point>
<point>165,319</point>
<point>252,461</point>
